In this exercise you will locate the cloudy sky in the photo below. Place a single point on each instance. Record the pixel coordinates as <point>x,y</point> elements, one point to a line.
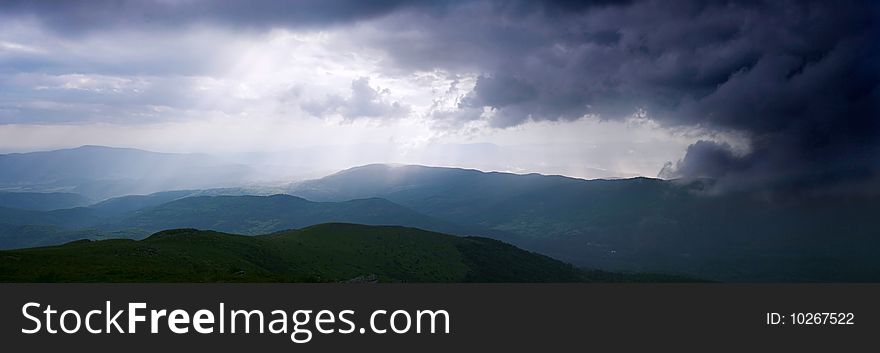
<point>746,91</point>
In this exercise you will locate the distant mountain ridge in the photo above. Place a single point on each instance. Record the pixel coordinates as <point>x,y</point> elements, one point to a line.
<point>252,215</point>
<point>101,172</point>
<point>139,216</point>
<point>42,201</point>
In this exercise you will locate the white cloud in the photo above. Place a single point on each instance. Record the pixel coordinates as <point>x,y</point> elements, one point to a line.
<point>14,47</point>
<point>93,83</point>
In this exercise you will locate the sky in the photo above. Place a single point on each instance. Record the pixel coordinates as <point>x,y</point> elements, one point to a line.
<point>751,93</point>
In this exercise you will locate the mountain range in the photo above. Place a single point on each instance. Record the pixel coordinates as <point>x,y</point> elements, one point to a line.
<point>630,225</point>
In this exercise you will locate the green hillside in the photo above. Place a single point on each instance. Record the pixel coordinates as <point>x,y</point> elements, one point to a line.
<point>322,253</point>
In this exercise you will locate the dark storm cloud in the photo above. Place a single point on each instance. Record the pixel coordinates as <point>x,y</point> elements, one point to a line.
<point>799,79</point>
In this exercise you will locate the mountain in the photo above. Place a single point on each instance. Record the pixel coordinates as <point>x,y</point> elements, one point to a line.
<point>464,194</point>
<point>637,224</point>
<point>139,216</point>
<point>126,204</point>
<point>101,172</point>
<point>68,218</point>
<point>253,215</point>
<point>321,253</point>
<point>42,201</point>
<point>129,203</point>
